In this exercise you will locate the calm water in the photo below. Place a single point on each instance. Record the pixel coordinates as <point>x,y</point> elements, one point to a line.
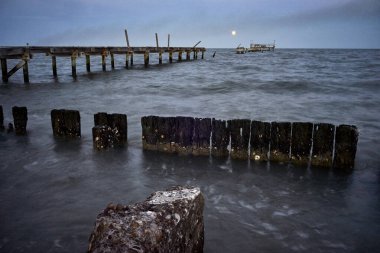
<point>51,190</point>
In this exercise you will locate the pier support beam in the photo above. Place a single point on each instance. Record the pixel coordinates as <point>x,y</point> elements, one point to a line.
<point>4,70</point>
<point>112,61</point>
<point>54,65</point>
<point>170,57</point>
<point>74,66</point>
<point>146,59</point>
<point>88,63</point>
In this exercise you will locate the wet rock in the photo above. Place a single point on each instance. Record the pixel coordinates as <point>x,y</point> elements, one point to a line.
<point>168,221</point>
<point>20,119</point>
<point>1,119</point>
<point>66,123</point>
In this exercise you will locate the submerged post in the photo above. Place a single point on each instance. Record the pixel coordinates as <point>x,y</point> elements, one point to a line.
<point>4,70</point>
<point>88,63</point>
<point>54,65</point>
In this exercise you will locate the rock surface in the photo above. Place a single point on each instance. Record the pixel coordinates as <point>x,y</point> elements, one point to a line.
<point>168,221</point>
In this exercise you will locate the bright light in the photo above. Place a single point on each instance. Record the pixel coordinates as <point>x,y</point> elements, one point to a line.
<point>233,32</point>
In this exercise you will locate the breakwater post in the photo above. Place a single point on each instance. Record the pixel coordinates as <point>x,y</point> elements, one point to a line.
<point>65,123</point>
<point>20,119</point>
<point>300,143</point>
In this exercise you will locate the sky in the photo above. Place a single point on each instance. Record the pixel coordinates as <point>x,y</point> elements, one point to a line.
<point>291,23</point>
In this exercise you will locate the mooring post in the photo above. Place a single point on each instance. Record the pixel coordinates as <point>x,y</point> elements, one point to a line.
<point>180,56</point>
<point>146,59</point>
<point>160,57</point>
<point>187,55</point>
<point>112,61</point>
<point>88,63</point>
<point>74,66</point>
<point>54,65</point>
<point>4,70</point>
<point>170,56</point>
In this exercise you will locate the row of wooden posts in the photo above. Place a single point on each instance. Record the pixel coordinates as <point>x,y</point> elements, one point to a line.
<point>25,54</point>
<point>320,144</point>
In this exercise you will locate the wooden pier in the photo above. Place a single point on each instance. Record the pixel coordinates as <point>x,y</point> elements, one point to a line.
<point>25,54</point>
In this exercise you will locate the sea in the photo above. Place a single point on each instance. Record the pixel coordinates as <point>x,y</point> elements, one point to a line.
<point>51,190</point>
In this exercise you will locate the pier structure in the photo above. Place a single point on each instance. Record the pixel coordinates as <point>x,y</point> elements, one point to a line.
<point>25,54</point>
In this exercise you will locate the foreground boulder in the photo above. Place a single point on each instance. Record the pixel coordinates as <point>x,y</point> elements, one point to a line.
<point>168,221</point>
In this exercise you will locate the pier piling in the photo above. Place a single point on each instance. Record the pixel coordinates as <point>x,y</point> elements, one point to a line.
<point>20,119</point>
<point>302,134</point>
<point>346,138</point>
<point>280,141</point>
<point>260,139</point>
<point>323,144</point>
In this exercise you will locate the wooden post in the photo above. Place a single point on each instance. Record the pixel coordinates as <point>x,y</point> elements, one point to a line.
<point>146,59</point>
<point>112,61</point>
<point>240,130</point>
<point>4,70</point>
<point>74,66</point>
<point>220,138</point>
<point>104,68</point>
<point>160,57</point>
<point>149,125</point>
<point>346,139</point>
<point>180,56</point>
<point>201,137</point>
<point>280,141</point>
<point>166,134</point>
<point>302,134</point>
<point>88,63</point>
<point>20,119</point>
<point>54,65</point>
<point>25,71</point>
<point>323,144</point>
<point>187,55</point>
<point>260,139</point>
<point>170,56</point>
<point>184,135</point>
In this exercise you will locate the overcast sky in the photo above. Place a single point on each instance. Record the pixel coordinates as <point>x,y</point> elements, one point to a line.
<point>292,23</point>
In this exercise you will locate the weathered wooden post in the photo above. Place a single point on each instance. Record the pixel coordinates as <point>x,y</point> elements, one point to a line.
<point>302,134</point>
<point>260,139</point>
<point>20,119</point>
<point>4,70</point>
<point>166,134</point>
<point>184,135</point>
<point>280,141</point>
<point>240,130</point>
<point>180,56</point>
<point>1,119</point>
<point>201,137</point>
<point>187,55</point>
<point>54,65</point>
<point>88,63</point>
<point>220,138</point>
<point>112,61</point>
<point>74,66</point>
<point>149,126</point>
<point>323,144</point>
<point>346,139</point>
<point>146,59</point>
<point>66,123</point>
<point>170,56</point>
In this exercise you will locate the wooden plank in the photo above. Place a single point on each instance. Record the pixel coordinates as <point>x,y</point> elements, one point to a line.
<point>346,139</point>
<point>184,135</point>
<point>166,134</point>
<point>302,134</point>
<point>4,70</point>
<point>280,141</point>
<point>220,138</point>
<point>260,139</point>
<point>149,126</point>
<point>201,137</point>
<point>323,144</point>
<point>240,131</point>
<point>20,119</point>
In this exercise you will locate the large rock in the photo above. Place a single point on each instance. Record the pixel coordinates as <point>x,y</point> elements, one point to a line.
<point>168,221</point>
